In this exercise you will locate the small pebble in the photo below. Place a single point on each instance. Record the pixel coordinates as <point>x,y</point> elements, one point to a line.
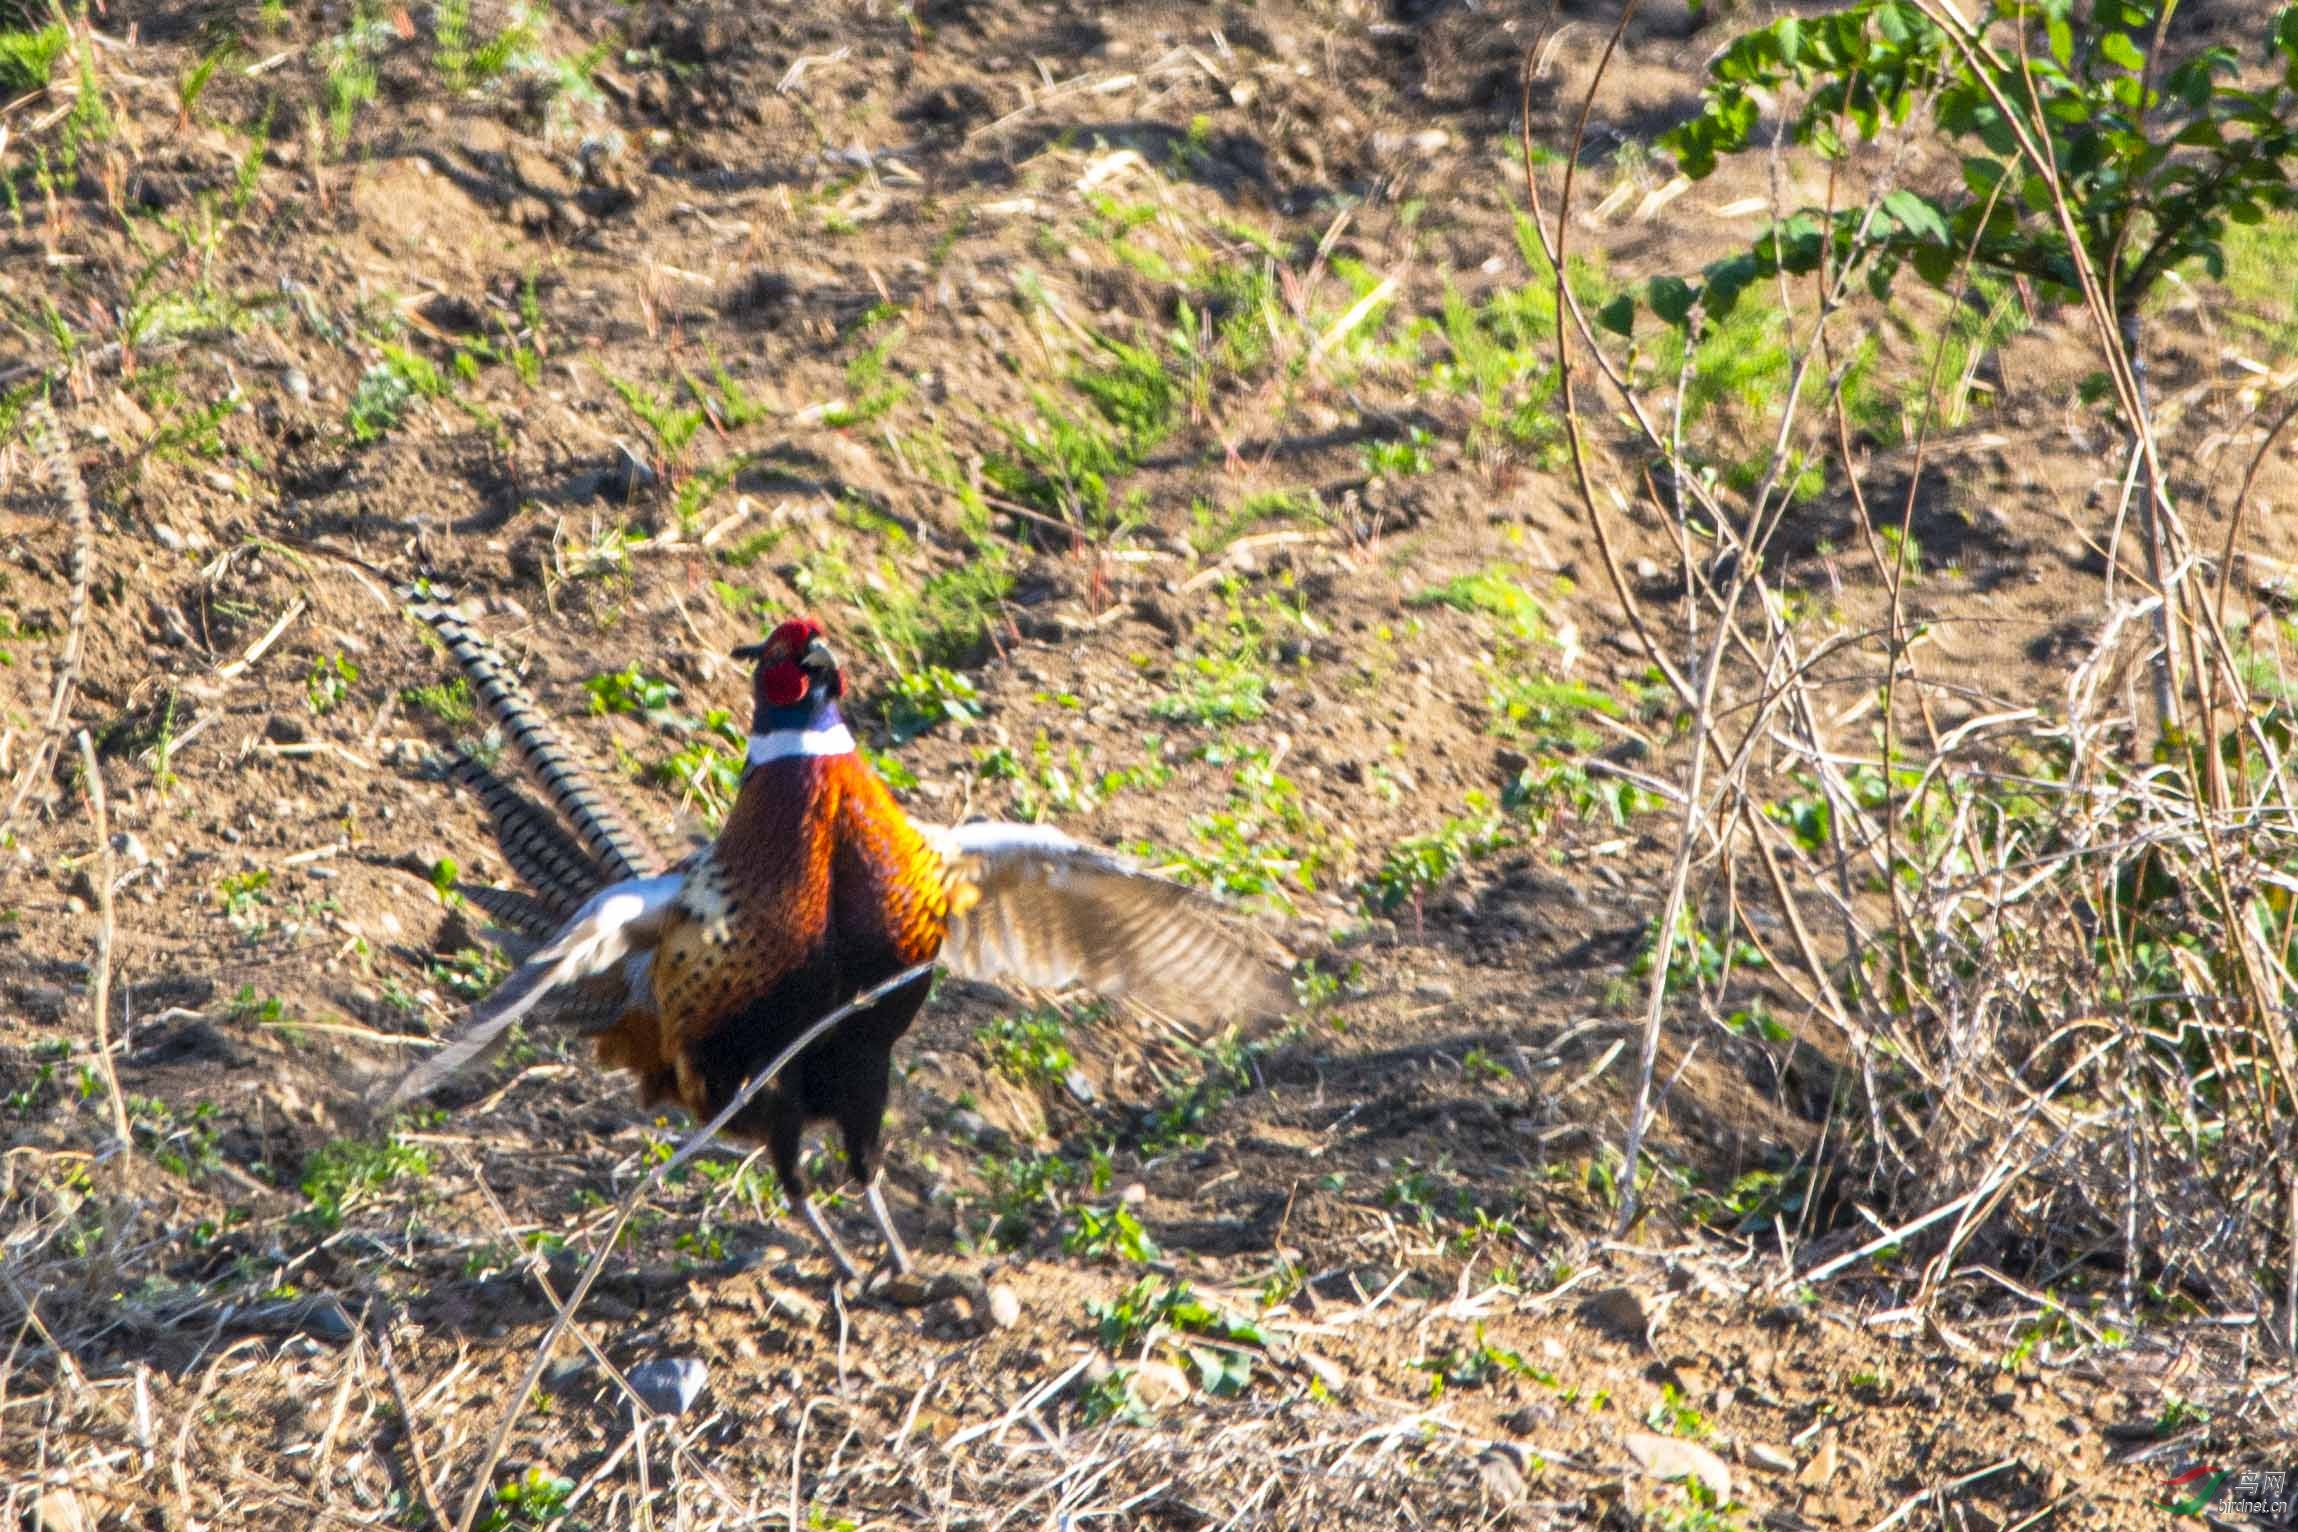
<point>1158,1384</point>
<point>1497,1472</point>
<point>669,1385</point>
<point>1004,1307</point>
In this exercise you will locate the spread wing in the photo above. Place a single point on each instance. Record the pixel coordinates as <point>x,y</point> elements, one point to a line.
<point>1030,905</point>
<point>606,941</point>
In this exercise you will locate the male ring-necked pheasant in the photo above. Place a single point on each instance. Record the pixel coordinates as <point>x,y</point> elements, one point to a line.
<point>817,887</point>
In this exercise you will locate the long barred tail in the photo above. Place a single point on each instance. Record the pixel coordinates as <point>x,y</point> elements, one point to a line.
<point>611,846</point>
<point>543,854</point>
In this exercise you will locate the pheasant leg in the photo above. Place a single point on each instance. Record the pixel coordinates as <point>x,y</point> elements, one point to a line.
<point>896,1251</point>
<point>847,1270</point>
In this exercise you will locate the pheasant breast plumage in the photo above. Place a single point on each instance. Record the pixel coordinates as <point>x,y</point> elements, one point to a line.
<point>817,888</point>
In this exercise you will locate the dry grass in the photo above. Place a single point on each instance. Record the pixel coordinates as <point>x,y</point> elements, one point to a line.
<point>2037,946</point>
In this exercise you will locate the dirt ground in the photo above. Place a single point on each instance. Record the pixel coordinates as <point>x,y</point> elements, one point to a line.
<point>1405,1205</point>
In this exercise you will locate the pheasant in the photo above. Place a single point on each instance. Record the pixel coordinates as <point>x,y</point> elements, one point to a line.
<point>817,888</point>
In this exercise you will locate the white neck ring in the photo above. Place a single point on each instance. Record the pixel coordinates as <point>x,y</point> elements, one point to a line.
<point>783,744</point>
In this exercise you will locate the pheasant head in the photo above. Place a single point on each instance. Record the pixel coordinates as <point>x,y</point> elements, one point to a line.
<point>797,684</point>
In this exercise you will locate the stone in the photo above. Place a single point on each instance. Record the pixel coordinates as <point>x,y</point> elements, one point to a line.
<point>1767,1457</point>
<point>1500,1475</point>
<point>1004,1307</point>
<point>800,1310</point>
<point>1619,1312</point>
<point>669,1385</point>
<point>1666,1457</point>
<point>1160,1385</point>
<point>1326,1371</point>
<point>1530,1419</point>
<point>909,1290</point>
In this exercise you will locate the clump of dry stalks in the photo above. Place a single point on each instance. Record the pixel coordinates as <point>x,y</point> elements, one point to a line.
<point>2053,943</point>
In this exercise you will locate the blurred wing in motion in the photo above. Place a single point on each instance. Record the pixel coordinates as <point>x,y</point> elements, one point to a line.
<point>620,922</point>
<point>1030,905</point>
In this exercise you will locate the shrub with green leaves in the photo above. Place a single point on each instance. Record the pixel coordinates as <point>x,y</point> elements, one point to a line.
<point>2154,154</point>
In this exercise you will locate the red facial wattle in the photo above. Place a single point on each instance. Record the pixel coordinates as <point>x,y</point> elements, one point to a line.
<point>782,678</point>
<point>782,685</point>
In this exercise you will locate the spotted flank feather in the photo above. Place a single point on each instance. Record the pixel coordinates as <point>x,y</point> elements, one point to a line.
<point>620,848</point>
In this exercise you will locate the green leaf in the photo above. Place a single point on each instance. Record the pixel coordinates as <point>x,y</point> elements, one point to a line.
<point>2117,48</point>
<point>1727,279</point>
<point>1935,264</point>
<point>2062,39</point>
<point>1619,315</point>
<point>1670,299</point>
<point>1917,216</point>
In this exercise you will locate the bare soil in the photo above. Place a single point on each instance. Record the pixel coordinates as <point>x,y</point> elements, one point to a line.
<point>1417,1177</point>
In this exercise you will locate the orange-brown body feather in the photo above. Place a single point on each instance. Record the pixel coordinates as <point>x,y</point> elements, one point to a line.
<point>817,887</point>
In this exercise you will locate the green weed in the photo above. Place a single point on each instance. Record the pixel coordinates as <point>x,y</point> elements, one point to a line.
<point>448,701</point>
<point>1400,457</point>
<point>631,691</point>
<point>1211,530</point>
<point>28,59</point>
<point>1262,844</point>
<point>1030,1049</point>
<point>871,387</point>
<point>1419,864</point>
<point>242,894</point>
<point>920,701</point>
<point>1108,1234</point>
<point>1477,1365</point>
<point>535,1500</point>
<point>942,620</point>
<point>388,390</point>
<point>349,81</point>
<point>346,1171</point>
<point>672,425</point>
<point>1218,689</point>
<point>328,684</point>
<point>1064,463</point>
